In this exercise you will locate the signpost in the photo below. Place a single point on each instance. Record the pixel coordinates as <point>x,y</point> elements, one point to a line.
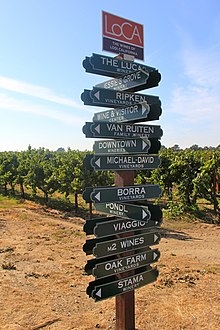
<point>101,269</point>
<point>121,194</point>
<point>114,67</point>
<point>120,130</point>
<point>121,246</point>
<point>118,226</point>
<point>104,291</point>
<point>110,98</point>
<point>126,146</point>
<point>132,82</point>
<point>110,247</point>
<point>121,162</point>
<point>131,211</point>
<point>134,113</point>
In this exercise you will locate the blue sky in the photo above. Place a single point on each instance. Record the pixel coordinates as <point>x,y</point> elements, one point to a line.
<point>43,44</point>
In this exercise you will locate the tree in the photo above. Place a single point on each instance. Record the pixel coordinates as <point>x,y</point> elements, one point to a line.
<point>206,181</point>
<point>42,172</point>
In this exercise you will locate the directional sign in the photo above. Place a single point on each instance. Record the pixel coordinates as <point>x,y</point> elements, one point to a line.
<point>128,146</point>
<point>121,162</point>
<point>133,113</point>
<point>133,82</point>
<point>123,285</point>
<point>114,266</point>
<point>119,130</point>
<point>121,194</point>
<point>120,226</point>
<point>113,67</point>
<point>110,98</point>
<point>131,211</point>
<point>102,227</point>
<point>100,248</point>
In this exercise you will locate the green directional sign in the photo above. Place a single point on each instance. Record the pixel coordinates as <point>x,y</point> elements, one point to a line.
<point>128,146</point>
<point>113,67</point>
<point>110,98</point>
<point>121,194</point>
<point>100,248</point>
<point>121,162</point>
<point>134,81</point>
<point>121,130</point>
<point>115,266</point>
<point>133,113</point>
<point>131,211</point>
<point>123,285</point>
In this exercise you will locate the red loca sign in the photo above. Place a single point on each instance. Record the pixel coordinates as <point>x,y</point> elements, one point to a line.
<point>122,36</point>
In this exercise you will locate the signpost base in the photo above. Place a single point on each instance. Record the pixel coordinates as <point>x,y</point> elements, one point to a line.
<point>125,303</point>
<point>125,311</point>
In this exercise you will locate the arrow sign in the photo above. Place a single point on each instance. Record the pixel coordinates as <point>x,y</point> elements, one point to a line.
<point>133,82</point>
<point>112,67</point>
<point>123,285</point>
<point>121,194</point>
<point>128,146</point>
<point>120,226</point>
<point>130,211</point>
<point>100,248</point>
<point>121,162</point>
<point>115,266</point>
<point>120,131</point>
<point>110,98</point>
<point>91,223</point>
<point>134,113</point>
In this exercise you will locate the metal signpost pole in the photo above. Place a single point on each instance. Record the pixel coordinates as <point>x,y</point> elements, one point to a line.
<point>125,303</point>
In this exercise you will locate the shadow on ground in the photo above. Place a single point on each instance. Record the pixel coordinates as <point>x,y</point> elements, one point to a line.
<point>174,234</point>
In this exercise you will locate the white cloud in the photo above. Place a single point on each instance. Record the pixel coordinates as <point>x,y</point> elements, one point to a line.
<point>36,91</point>
<point>197,99</point>
<point>13,104</point>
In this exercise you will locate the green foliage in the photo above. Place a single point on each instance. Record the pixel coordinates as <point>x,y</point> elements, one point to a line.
<point>184,175</point>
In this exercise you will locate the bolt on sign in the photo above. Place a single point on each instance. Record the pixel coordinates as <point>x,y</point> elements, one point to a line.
<point>122,36</point>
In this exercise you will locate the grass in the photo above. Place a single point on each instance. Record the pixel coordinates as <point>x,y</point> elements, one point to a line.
<point>8,202</point>
<point>204,212</point>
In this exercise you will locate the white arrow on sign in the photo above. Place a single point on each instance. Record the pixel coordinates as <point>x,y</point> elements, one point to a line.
<point>144,144</point>
<point>97,129</point>
<point>154,255</point>
<point>97,95</point>
<point>155,238</point>
<point>144,214</point>
<point>145,107</point>
<point>97,196</point>
<point>99,293</point>
<point>98,162</point>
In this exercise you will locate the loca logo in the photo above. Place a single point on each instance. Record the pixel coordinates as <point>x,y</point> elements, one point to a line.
<point>122,29</point>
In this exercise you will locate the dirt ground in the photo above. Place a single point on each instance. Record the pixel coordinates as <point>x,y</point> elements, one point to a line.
<point>43,284</point>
